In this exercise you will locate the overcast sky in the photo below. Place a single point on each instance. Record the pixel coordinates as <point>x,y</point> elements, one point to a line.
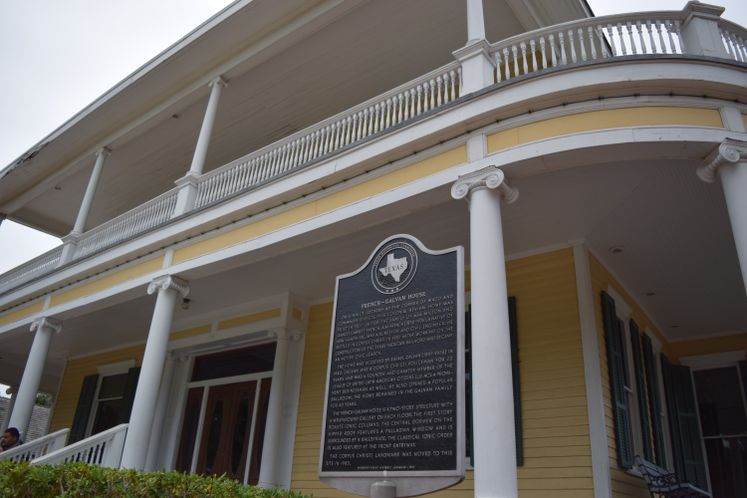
<point>57,56</point>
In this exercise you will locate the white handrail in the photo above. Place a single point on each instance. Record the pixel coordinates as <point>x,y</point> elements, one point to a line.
<point>590,39</point>
<point>327,137</point>
<point>37,448</point>
<point>569,43</point>
<point>40,265</point>
<point>104,449</point>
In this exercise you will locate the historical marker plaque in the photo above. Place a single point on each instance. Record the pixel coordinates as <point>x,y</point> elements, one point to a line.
<point>395,404</point>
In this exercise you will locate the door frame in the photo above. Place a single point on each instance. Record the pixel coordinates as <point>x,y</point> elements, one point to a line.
<point>206,385</point>
<point>726,359</point>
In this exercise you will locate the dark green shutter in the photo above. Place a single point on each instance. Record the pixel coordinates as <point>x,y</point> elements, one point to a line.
<point>635,341</point>
<point>684,425</point>
<point>83,410</point>
<point>654,401</point>
<point>128,394</point>
<point>468,383</point>
<point>515,377</point>
<point>617,373</point>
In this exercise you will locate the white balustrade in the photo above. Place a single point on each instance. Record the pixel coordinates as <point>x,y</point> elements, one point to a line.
<point>359,123</point>
<point>647,34</point>
<point>586,40</point>
<point>104,449</point>
<point>40,265</point>
<point>132,223</point>
<point>735,40</point>
<point>36,448</point>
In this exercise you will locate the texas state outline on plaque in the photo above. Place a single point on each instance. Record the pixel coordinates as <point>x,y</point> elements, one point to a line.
<point>394,267</point>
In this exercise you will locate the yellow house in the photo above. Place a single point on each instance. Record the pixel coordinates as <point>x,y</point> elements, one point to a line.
<point>592,168</point>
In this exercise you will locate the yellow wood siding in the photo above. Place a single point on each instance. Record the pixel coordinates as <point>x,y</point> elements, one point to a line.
<point>604,119</point>
<point>333,201</point>
<point>22,313</point>
<point>624,484</point>
<point>246,319</point>
<point>72,380</point>
<point>556,436</point>
<point>736,342</point>
<point>110,280</point>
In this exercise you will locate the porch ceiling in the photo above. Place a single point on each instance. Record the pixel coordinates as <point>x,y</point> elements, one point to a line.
<point>672,227</point>
<point>353,51</point>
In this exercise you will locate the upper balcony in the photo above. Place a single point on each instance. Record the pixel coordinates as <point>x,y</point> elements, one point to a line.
<point>271,119</point>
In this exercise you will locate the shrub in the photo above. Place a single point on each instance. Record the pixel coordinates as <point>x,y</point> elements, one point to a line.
<point>81,480</point>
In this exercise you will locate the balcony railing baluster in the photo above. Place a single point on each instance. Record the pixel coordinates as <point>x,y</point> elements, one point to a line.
<point>651,33</point>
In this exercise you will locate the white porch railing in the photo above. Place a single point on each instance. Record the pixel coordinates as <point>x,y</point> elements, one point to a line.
<point>374,116</point>
<point>650,34</point>
<point>37,448</point>
<point>735,40</point>
<point>104,449</point>
<point>135,221</point>
<point>610,37</point>
<point>40,265</point>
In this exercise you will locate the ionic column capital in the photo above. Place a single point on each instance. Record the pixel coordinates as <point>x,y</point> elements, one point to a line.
<point>729,151</point>
<point>491,178</point>
<point>169,282</point>
<point>103,152</point>
<point>47,323</point>
<point>218,80</point>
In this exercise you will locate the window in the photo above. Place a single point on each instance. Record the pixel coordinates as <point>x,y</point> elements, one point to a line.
<point>515,370</point>
<point>105,399</point>
<point>634,386</point>
<point>109,403</point>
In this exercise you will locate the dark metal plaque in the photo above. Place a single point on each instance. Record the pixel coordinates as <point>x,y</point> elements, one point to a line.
<point>395,403</point>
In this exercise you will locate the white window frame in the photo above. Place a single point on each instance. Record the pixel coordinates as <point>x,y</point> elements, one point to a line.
<point>108,370</point>
<point>624,313</point>
<point>663,410</point>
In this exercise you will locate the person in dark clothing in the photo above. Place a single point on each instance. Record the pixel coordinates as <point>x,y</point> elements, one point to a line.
<point>11,439</point>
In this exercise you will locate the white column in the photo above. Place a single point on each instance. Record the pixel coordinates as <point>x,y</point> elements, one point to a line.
<point>475,21</point>
<point>93,181</point>
<point>203,140</point>
<point>492,386</point>
<point>71,240</point>
<point>44,328</point>
<point>157,432</point>
<point>135,451</point>
<point>188,183</point>
<point>270,472</point>
<point>729,162</point>
<point>12,391</point>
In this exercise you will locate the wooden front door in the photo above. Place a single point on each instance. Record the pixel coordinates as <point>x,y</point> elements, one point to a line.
<point>225,438</point>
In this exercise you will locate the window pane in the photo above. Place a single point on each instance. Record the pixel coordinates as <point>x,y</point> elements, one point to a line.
<point>112,386</point>
<point>720,402</point>
<point>216,425</point>
<point>235,362</point>
<point>189,429</point>
<point>107,415</point>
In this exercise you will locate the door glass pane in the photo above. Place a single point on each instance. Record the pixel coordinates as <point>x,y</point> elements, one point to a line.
<point>239,435</point>
<point>189,429</point>
<point>259,431</point>
<point>720,402</point>
<point>214,439</point>
<point>727,459</point>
